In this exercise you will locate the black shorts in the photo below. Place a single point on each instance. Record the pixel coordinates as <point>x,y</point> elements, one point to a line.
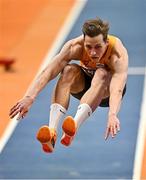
<point>88,79</point>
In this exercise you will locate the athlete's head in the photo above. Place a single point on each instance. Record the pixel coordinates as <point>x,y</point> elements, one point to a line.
<point>95,33</point>
<point>95,27</point>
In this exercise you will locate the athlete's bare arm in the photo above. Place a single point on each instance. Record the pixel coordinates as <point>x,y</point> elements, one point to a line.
<point>119,66</point>
<point>71,50</point>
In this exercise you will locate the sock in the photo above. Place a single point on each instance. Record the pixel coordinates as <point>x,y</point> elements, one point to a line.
<point>83,112</point>
<point>56,113</point>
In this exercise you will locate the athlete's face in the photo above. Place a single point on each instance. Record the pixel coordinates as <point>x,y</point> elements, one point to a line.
<point>95,46</point>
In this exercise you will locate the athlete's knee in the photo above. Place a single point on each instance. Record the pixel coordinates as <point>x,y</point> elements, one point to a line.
<point>102,73</point>
<point>101,77</point>
<point>70,71</point>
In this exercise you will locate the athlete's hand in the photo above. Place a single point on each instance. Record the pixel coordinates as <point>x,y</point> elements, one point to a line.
<point>113,126</point>
<point>21,107</point>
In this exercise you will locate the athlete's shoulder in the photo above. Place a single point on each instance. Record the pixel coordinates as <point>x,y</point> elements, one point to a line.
<point>75,46</point>
<point>114,38</point>
<point>76,42</point>
<point>119,43</point>
<point>119,47</point>
<point>119,54</point>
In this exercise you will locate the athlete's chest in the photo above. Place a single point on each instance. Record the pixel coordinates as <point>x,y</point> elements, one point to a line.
<point>90,63</point>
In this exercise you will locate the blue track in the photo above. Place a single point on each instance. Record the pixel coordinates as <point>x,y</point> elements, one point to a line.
<point>89,156</point>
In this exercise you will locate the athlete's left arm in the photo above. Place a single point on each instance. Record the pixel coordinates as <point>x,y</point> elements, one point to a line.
<point>119,64</point>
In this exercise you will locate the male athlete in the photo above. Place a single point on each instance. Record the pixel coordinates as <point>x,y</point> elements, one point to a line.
<point>99,80</point>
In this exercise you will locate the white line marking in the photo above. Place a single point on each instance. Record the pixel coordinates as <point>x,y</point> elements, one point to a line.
<point>60,38</point>
<point>137,70</point>
<point>140,138</point>
<point>8,132</point>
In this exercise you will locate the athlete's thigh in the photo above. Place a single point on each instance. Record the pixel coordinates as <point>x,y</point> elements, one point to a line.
<point>79,80</point>
<point>102,75</point>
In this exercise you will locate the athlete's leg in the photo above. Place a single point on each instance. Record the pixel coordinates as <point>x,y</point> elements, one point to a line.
<point>71,79</point>
<point>98,89</point>
<point>92,98</point>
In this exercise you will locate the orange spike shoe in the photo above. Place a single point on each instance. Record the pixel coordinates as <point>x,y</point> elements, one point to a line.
<point>47,137</point>
<point>69,131</point>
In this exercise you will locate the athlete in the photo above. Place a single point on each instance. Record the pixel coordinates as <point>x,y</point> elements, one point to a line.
<point>99,79</point>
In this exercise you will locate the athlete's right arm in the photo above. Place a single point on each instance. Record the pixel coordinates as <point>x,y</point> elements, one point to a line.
<point>48,73</point>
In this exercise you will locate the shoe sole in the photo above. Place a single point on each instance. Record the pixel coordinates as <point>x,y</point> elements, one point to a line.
<point>44,136</point>
<point>69,126</point>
